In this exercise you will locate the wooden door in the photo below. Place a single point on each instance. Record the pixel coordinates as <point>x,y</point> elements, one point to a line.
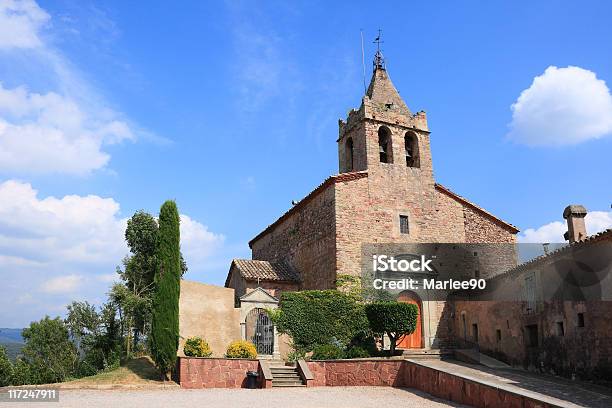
<point>414,340</point>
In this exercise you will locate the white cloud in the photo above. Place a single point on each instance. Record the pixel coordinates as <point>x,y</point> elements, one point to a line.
<point>197,242</point>
<point>563,106</point>
<point>64,129</point>
<point>40,232</point>
<point>62,284</point>
<point>596,221</point>
<point>51,133</point>
<point>67,247</point>
<point>56,231</point>
<point>108,277</point>
<point>20,22</point>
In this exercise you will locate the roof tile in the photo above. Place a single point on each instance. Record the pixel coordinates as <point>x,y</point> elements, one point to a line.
<point>264,270</point>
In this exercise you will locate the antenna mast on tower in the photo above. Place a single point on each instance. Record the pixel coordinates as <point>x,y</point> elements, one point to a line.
<point>365,90</point>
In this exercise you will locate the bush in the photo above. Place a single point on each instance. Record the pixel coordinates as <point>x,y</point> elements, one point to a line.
<point>197,347</point>
<point>357,352</point>
<point>48,351</point>
<point>6,369</point>
<point>317,317</point>
<point>22,374</point>
<point>296,355</point>
<point>393,318</point>
<point>241,349</point>
<point>327,352</point>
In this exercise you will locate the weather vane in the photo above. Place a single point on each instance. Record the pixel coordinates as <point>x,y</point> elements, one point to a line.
<point>379,61</point>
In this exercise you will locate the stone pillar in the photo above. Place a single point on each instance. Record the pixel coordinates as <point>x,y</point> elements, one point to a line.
<point>276,350</point>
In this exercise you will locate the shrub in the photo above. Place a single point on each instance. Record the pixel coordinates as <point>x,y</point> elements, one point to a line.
<point>393,318</point>
<point>241,349</point>
<point>48,351</point>
<point>317,317</point>
<point>357,352</point>
<point>327,352</point>
<point>6,369</point>
<point>197,347</point>
<point>22,374</point>
<point>296,355</point>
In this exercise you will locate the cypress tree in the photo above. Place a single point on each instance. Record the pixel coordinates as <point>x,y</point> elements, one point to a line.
<point>165,322</point>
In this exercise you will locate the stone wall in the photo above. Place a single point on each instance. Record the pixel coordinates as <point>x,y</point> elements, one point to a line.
<point>215,372</point>
<point>480,228</point>
<point>357,373</point>
<point>402,373</point>
<point>305,239</point>
<point>208,311</point>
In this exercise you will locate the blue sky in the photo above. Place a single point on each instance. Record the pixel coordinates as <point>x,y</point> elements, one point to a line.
<point>231,108</point>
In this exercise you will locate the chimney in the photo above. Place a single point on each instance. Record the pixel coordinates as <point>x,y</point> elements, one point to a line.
<point>576,230</point>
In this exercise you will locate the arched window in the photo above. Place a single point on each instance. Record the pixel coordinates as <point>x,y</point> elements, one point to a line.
<point>384,145</point>
<point>349,154</point>
<point>412,150</point>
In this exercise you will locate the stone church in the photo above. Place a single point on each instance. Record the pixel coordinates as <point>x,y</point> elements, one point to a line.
<point>385,192</point>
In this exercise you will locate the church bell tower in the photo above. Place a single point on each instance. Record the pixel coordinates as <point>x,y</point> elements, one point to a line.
<point>383,135</point>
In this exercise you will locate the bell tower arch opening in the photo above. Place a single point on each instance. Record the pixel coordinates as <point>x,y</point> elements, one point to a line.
<point>385,145</point>
<point>349,154</point>
<point>411,146</point>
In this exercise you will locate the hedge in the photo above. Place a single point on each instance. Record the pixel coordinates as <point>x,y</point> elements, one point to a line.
<point>319,317</point>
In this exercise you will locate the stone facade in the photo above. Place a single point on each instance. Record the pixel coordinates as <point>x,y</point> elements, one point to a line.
<point>305,239</point>
<point>322,236</point>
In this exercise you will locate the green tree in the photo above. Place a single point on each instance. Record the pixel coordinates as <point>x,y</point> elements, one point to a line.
<point>48,350</point>
<point>6,369</point>
<point>395,319</point>
<point>83,322</point>
<point>138,275</point>
<point>164,327</point>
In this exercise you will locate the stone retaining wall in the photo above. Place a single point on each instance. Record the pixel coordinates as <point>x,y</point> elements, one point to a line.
<point>197,372</point>
<point>402,373</point>
<point>231,373</point>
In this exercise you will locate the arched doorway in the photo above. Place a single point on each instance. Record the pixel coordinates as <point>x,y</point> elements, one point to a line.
<point>414,340</point>
<point>260,331</point>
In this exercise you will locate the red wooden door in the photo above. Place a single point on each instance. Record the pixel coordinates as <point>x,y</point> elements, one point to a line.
<point>413,340</point>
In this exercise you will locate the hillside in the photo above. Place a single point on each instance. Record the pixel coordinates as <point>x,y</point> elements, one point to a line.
<point>12,350</point>
<point>10,335</point>
<point>13,342</point>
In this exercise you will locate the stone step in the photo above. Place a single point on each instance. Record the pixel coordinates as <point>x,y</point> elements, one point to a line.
<point>287,385</point>
<point>276,363</point>
<point>285,375</point>
<point>283,370</point>
<point>293,378</point>
<point>274,383</point>
<point>427,353</point>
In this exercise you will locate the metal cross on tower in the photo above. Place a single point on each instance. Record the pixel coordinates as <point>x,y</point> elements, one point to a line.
<point>379,61</point>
